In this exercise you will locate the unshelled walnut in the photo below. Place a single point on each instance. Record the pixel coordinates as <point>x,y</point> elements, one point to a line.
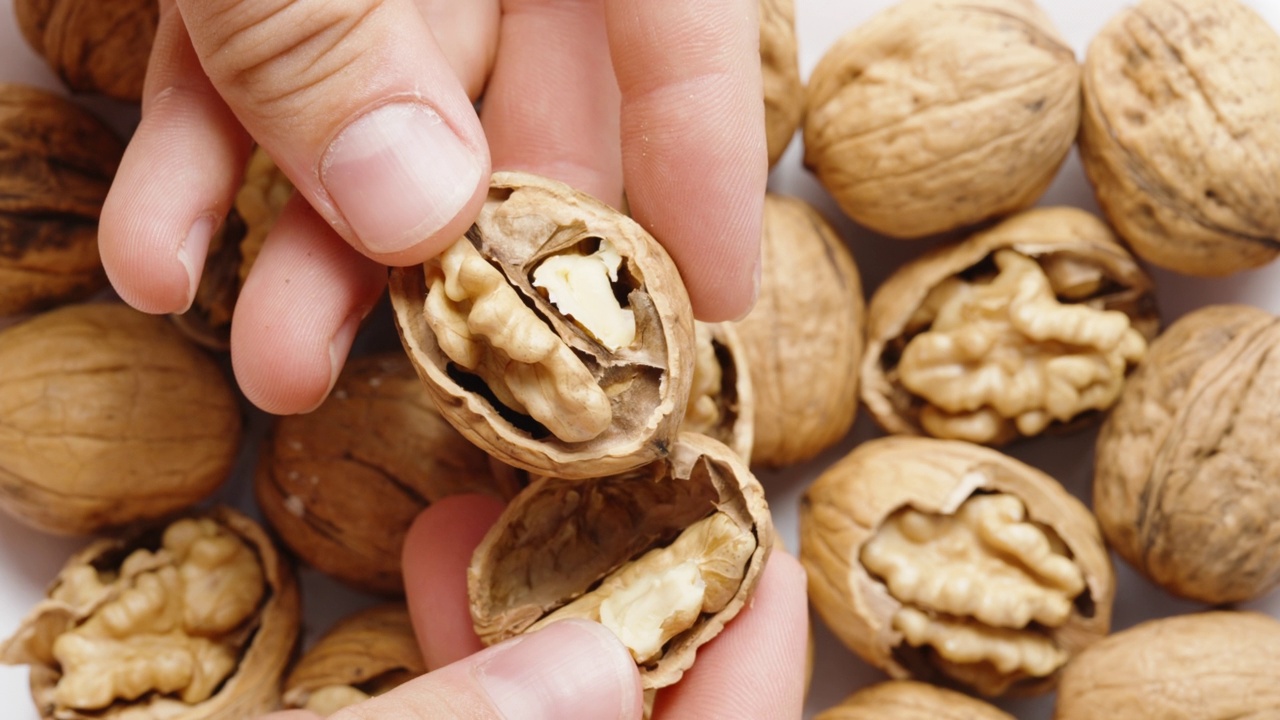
<point>1188,667</point>
<point>1029,326</point>
<point>804,336</point>
<point>1186,465</point>
<point>780,65</point>
<point>342,484</point>
<point>1180,133</point>
<point>59,161</point>
<point>937,114</point>
<point>721,400</point>
<point>940,560</point>
<point>192,621</point>
<point>92,45</point>
<point>663,555</point>
<point>556,334</point>
<point>911,700</point>
<point>109,416</point>
<point>364,655</point>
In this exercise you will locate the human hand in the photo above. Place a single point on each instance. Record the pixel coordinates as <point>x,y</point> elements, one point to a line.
<point>366,106</point>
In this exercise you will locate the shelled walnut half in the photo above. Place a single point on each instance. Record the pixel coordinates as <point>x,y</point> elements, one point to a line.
<point>1030,326</point>
<point>721,401</point>
<point>911,700</point>
<point>556,334</point>
<point>945,561</point>
<point>663,555</point>
<point>192,621</point>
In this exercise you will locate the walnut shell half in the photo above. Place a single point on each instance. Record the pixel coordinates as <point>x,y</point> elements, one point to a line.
<point>911,700</point>
<point>556,335</point>
<point>950,562</point>
<point>663,555</point>
<point>91,44</point>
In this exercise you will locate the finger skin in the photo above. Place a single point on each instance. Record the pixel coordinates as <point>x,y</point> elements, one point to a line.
<point>467,33</point>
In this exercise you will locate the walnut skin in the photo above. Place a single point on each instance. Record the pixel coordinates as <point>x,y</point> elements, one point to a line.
<point>342,484</point>
<point>780,64</point>
<point>1206,666</point>
<point>937,114</point>
<point>949,562</point>
<point>1185,477</point>
<point>721,399</point>
<point>94,46</point>
<point>1029,326</point>
<point>59,161</point>
<point>556,335</point>
<point>1180,133</point>
<point>193,621</point>
<point>804,336</point>
<point>911,700</point>
<point>110,416</point>
<point>663,555</point>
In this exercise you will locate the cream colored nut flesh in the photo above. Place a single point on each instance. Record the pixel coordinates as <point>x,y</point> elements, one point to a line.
<point>332,698</point>
<point>259,202</point>
<point>580,286</point>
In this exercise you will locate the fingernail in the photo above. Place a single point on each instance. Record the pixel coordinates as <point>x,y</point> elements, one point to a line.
<point>572,668</point>
<point>398,174</point>
<point>191,253</point>
<point>339,347</point>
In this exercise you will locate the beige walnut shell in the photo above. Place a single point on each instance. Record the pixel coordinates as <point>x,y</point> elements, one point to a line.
<point>1188,667</point>
<point>1185,482</point>
<point>565,541</point>
<point>110,416</point>
<point>263,643</point>
<point>804,336</point>
<point>780,65</point>
<point>342,484</point>
<point>364,654</point>
<point>59,161</point>
<point>721,398</point>
<point>911,700</point>
<point>528,381</point>
<point>1180,134</point>
<point>854,504</point>
<point>92,45</point>
<point>937,114</point>
<point>1084,266</point>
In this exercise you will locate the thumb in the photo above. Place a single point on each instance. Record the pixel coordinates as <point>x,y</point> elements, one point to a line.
<point>357,104</point>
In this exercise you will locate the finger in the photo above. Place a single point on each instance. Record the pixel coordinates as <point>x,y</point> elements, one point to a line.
<point>176,181</point>
<point>298,312</point>
<point>355,101</point>
<point>552,104</point>
<point>467,33</point>
<point>437,551</point>
<point>755,668</point>
<point>693,146</point>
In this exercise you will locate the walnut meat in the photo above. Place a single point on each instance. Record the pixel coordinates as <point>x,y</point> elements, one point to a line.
<point>910,700</point>
<point>92,45</point>
<point>191,621</point>
<point>1030,326</point>
<point>1193,431</point>
<point>59,161</point>
<point>945,561</point>
<point>663,555</point>
<point>1180,133</point>
<point>1187,667</point>
<point>556,334</point>
<point>804,336</point>
<point>342,484</point>
<point>109,416</point>
<point>937,114</point>
<point>780,65</point>
<point>721,400</point>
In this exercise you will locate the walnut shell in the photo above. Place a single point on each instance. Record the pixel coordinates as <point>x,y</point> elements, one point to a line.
<point>780,65</point>
<point>1181,133</point>
<point>721,398</point>
<point>565,391</point>
<point>857,504</point>
<point>937,114</point>
<point>94,46</point>
<point>367,653</point>
<point>1186,667</point>
<point>804,336</point>
<point>99,577</point>
<point>110,416</point>
<point>910,700</point>
<point>341,485</point>
<point>1193,430</point>
<point>59,161</point>
<point>1089,277</point>
<point>561,543</point>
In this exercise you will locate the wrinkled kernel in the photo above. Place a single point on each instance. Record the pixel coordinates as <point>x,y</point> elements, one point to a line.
<point>259,202</point>
<point>580,286</point>
<point>702,414</point>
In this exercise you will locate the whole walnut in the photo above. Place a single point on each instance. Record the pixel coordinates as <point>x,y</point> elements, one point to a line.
<point>59,161</point>
<point>1187,477</point>
<point>1181,133</point>
<point>780,64</point>
<point>911,700</point>
<point>93,45</point>
<point>937,114</point>
<point>341,484</point>
<point>109,416</point>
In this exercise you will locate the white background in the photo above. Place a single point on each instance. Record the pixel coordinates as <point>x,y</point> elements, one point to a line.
<point>29,560</point>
